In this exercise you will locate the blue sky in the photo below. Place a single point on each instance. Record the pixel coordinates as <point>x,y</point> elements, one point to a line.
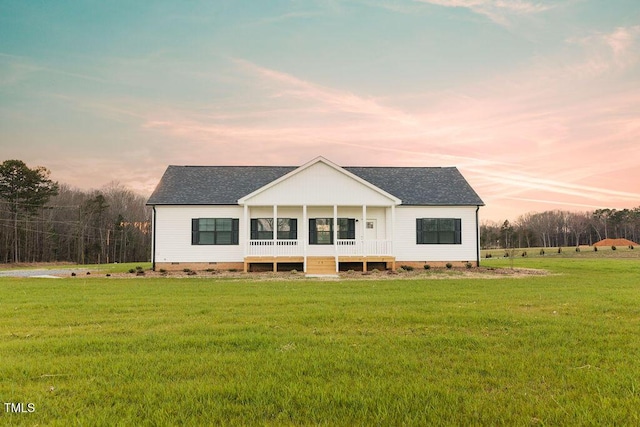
<point>536,102</point>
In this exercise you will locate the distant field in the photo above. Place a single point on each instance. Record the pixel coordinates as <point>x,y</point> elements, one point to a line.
<point>568,252</point>
<point>560,349</point>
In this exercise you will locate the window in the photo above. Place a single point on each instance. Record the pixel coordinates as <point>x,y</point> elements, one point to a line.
<point>321,230</point>
<point>438,231</point>
<point>214,231</point>
<point>262,228</point>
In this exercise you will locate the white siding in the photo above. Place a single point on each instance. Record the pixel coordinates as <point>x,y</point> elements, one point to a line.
<point>173,234</point>
<point>406,248</point>
<point>319,185</point>
<point>173,231</point>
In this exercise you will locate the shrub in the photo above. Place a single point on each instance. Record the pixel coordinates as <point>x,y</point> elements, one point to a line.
<point>375,270</point>
<point>595,249</point>
<point>541,251</point>
<point>506,254</point>
<point>140,273</point>
<point>577,249</point>
<point>559,249</point>
<point>138,268</point>
<point>186,270</point>
<point>449,265</point>
<point>427,266</point>
<point>162,270</point>
<point>468,265</point>
<point>191,273</point>
<point>294,271</point>
<point>406,267</point>
<point>132,270</point>
<point>488,255</point>
<point>524,253</point>
<point>613,248</point>
<point>630,246</point>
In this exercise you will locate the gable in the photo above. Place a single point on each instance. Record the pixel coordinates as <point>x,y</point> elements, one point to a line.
<point>320,183</point>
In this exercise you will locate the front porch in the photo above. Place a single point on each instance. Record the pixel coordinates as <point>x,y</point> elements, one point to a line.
<point>318,239</point>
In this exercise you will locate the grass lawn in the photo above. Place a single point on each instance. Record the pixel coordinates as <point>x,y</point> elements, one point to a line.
<point>560,349</point>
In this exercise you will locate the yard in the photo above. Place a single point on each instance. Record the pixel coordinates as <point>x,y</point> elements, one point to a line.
<point>554,349</point>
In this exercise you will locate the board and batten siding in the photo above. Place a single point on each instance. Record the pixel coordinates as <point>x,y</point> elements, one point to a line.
<point>319,185</point>
<point>405,245</point>
<point>173,234</point>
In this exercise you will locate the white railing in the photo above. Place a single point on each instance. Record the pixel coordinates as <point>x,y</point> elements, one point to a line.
<point>345,247</point>
<point>274,248</point>
<point>364,248</point>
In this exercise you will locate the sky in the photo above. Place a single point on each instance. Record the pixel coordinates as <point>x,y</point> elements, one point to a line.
<point>536,102</point>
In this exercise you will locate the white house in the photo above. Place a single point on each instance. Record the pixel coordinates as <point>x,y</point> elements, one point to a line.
<point>319,218</point>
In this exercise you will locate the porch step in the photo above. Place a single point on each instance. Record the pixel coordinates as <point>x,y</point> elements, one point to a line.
<point>321,265</point>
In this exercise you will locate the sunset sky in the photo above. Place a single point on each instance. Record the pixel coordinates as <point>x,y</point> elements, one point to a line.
<point>537,102</point>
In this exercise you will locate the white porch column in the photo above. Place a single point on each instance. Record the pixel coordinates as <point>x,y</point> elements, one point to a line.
<point>247,230</point>
<point>364,230</point>
<point>335,233</point>
<point>305,237</point>
<point>275,224</point>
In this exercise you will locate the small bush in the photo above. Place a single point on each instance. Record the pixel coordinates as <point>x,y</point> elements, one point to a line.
<point>139,268</point>
<point>162,270</point>
<point>449,265</point>
<point>140,273</point>
<point>375,270</point>
<point>630,246</point>
<point>506,254</point>
<point>468,265</point>
<point>427,266</point>
<point>294,271</point>
<point>191,273</point>
<point>541,251</point>
<point>595,249</point>
<point>559,250</point>
<point>613,248</point>
<point>488,255</point>
<point>132,270</point>
<point>233,270</point>
<point>524,254</point>
<point>577,249</point>
<point>406,267</point>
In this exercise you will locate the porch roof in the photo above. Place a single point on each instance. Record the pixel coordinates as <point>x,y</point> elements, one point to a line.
<point>225,185</point>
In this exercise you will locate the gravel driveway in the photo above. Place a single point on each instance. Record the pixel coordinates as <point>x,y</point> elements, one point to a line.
<point>43,272</point>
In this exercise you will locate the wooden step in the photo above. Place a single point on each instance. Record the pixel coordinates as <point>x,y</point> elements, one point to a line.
<point>321,265</point>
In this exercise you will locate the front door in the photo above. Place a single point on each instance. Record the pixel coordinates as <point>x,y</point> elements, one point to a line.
<point>370,230</point>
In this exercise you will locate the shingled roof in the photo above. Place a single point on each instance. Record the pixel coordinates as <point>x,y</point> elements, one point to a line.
<point>224,185</point>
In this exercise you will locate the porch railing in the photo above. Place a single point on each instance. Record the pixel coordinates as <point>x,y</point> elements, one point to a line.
<point>274,248</point>
<point>364,248</point>
<point>344,247</point>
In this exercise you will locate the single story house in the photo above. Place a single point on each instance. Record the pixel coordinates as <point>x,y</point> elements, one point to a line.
<point>318,218</point>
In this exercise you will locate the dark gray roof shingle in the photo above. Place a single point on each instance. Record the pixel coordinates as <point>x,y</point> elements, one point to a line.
<point>224,185</point>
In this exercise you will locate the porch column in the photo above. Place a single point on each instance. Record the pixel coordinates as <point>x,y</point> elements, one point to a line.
<point>335,234</point>
<point>364,231</point>
<point>393,228</point>
<point>247,231</point>
<point>305,237</point>
<point>275,237</point>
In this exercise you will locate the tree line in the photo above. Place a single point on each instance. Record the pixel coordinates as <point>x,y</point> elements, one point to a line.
<point>44,221</point>
<point>561,228</point>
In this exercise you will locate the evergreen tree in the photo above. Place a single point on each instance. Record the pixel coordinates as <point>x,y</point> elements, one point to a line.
<point>25,191</point>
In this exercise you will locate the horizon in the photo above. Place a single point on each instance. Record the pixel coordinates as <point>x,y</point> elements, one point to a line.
<point>535,102</point>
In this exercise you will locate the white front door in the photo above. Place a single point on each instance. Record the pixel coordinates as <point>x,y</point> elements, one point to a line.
<point>370,229</point>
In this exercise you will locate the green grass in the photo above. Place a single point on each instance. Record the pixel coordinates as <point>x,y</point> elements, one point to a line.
<point>560,349</point>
